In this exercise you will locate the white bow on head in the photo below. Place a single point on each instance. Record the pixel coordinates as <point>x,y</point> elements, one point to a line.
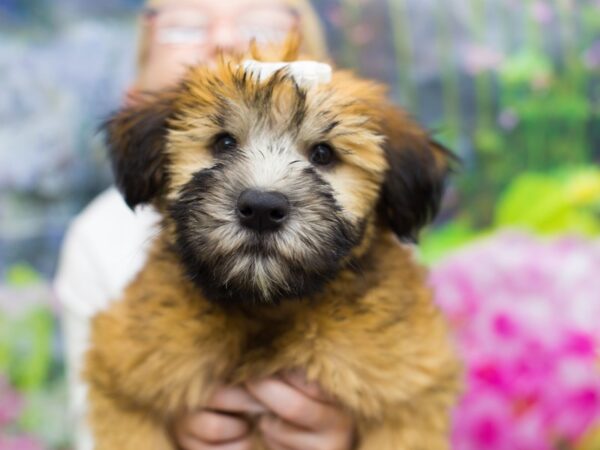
<point>305,73</point>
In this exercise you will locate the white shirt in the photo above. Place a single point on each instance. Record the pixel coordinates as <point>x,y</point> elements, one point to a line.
<point>104,248</point>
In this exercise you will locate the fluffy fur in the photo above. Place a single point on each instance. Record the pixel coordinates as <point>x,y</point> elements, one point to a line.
<point>333,292</point>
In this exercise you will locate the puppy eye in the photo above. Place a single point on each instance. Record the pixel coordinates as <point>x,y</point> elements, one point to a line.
<point>321,154</point>
<point>224,143</point>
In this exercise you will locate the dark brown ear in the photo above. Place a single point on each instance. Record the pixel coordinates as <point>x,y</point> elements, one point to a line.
<point>136,137</point>
<point>415,181</point>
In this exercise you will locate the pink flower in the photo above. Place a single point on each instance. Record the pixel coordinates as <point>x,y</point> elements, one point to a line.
<point>508,119</point>
<point>525,315</point>
<point>542,11</point>
<point>19,443</point>
<point>10,403</point>
<point>479,58</point>
<point>592,56</point>
<point>541,82</point>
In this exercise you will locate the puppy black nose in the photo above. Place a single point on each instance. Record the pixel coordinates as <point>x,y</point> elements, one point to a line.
<point>262,211</point>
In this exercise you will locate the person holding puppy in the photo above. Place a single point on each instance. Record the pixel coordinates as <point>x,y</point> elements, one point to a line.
<point>105,246</point>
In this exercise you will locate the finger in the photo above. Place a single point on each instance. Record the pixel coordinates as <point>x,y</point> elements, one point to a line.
<point>280,434</point>
<point>291,404</point>
<point>297,379</point>
<point>187,442</point>
<point>272,444</point>
<point>190,443</point>
<point>234,399</point>
<point>238,445</point>
<point>212,428</point>
<point>241,445</point>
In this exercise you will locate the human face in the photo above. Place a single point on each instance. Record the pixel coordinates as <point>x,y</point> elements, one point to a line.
<point>184,33</point>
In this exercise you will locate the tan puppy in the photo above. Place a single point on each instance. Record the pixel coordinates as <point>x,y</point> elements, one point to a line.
<point>283,210</point>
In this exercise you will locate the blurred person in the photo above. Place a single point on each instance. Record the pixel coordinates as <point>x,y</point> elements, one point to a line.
<point>106,244</point>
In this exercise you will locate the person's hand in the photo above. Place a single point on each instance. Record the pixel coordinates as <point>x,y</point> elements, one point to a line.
<point>217,427</point>
<point>302,416</point>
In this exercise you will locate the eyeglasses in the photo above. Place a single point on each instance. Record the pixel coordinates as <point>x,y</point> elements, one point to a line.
<point>188,26</point>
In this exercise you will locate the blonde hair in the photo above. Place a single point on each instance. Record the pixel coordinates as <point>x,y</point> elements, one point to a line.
<point>311,30</point>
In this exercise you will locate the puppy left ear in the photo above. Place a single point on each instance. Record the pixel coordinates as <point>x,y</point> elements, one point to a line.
<point>136,139</point>
<point>416,178</point>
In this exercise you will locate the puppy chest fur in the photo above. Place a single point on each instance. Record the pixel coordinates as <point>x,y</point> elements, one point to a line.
<point>384,354</point>
<point>283,208</point>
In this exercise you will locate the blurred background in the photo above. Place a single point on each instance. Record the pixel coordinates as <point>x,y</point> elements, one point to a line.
<point>513,86</point>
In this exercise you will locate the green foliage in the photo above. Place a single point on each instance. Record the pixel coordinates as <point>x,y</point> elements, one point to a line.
<point>21,275</point>
<point>25,348</point>
<point>521,68</point>
<point>591,441</point>
<point>442,241</point>
<point>543,126</point>
<point>567,202</point>
<point>559,202</point>
<point>45,415</point>
<point>27,360</point>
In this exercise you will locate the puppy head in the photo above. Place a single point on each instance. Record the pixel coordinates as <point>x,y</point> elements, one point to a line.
<point>269,186</point>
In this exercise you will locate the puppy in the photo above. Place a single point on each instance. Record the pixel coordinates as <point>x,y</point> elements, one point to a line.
<point>284,207</point>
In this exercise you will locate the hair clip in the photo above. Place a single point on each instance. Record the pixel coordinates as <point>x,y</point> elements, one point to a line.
<point>305,73</point>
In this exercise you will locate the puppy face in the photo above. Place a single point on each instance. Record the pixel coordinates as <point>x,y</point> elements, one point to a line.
<point>269,186</point>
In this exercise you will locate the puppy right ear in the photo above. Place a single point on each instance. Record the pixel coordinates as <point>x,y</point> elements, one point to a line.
<point>136,138</point>
<point>418,169</point>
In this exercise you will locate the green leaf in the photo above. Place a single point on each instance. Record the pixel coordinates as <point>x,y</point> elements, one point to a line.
<point>524,66</point>
<point>31,352</point>
<point>20,275</point>
<point>439,242</point>
<point>559,202</point>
